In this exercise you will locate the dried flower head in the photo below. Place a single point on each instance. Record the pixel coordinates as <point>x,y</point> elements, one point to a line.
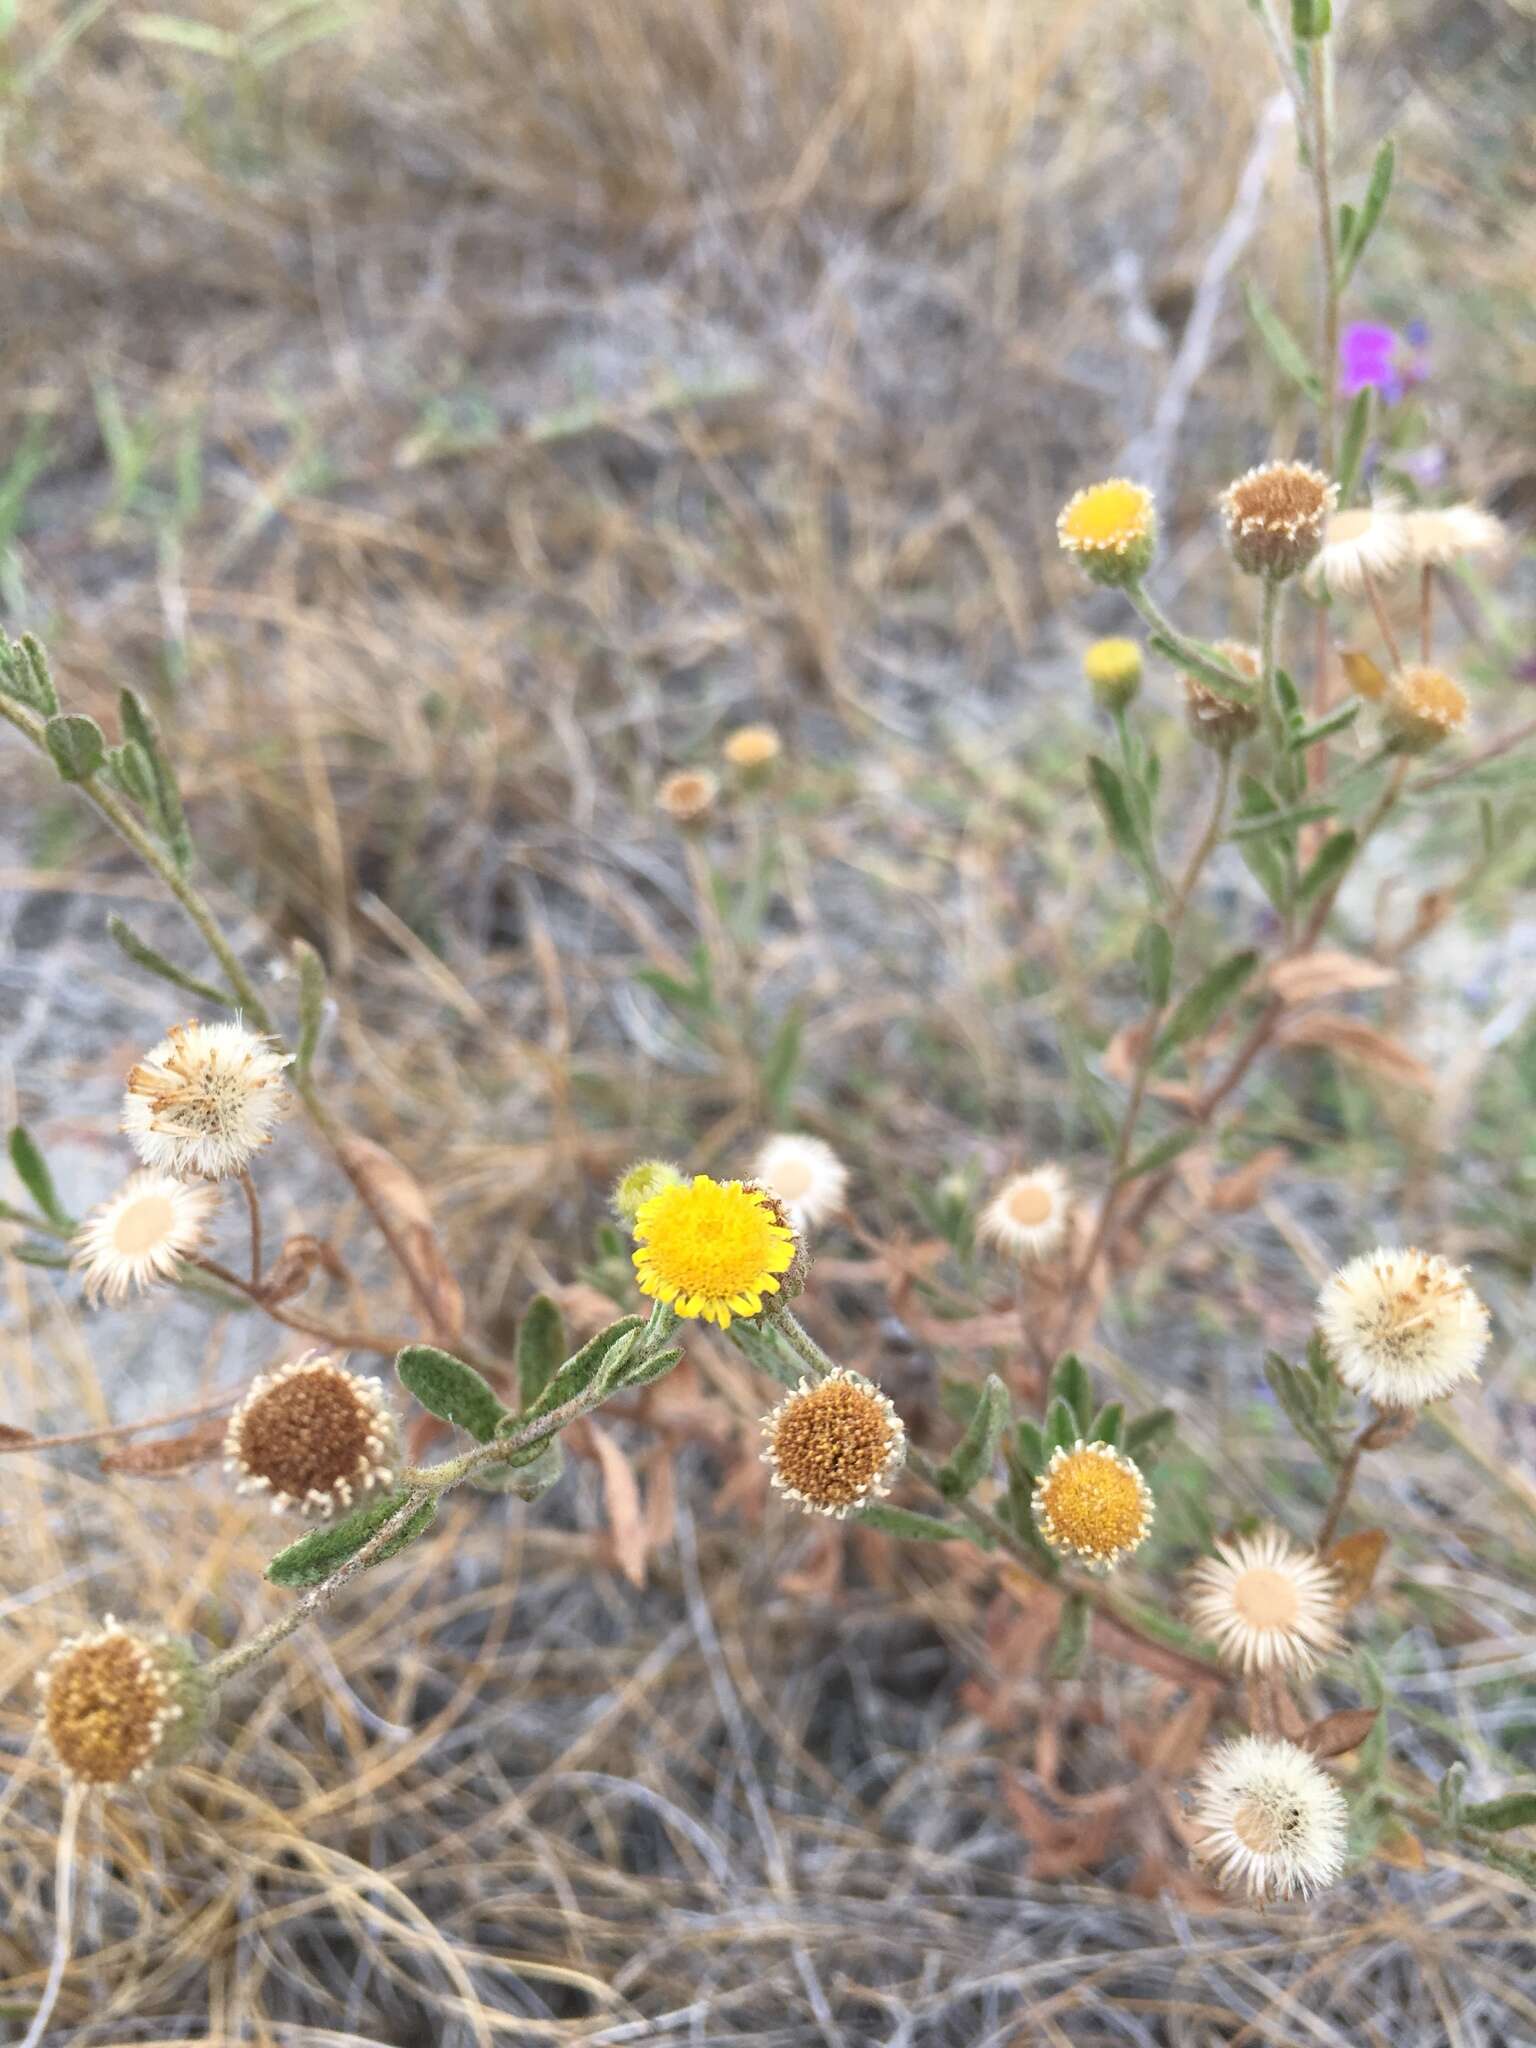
<point>634,1188</point>
<point>1402,1327</point>
<point>1111,528</point>
<point>688,796</point>
<point>115,1703</point>
<point>312,1435</point>
<point>1265,1604</point>
<point>712,1248</point>
<point>1028,1216</point>
<point>1422,707</point>
<point>1276,516</point>
<point>140,1234</point>
<point>1113,669</point>
<point>834,1444</point>
<point>752,747</point>
<point>1092,1500</point>
<point>1220,722</point>
<point>204,1100</point>
<point>1272,1819</point>
<point>806,1175</point>
<point>1436,537</point>
<point>1365,544</point>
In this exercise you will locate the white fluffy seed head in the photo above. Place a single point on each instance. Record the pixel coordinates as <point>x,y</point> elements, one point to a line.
<point>1366,543</point>
<point>203,1101</point>
<point>1029,1215</point>
<point>1441,535</point>
<point>1402,1326</point>
<point>1265,1604</point>
<point>140,1234</point>
<point>1272,1822</point>
<point>806,1175</point>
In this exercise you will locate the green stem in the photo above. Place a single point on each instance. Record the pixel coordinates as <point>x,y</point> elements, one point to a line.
<point>1317,79</point>
<point>423,1485</point>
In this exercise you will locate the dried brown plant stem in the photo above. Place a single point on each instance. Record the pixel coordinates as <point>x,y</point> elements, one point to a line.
<point>385,1343</point>
<point>253,1204</point>
<point>1191,1669</point>
<point>1384,624</point>
<point>1386,1427</point>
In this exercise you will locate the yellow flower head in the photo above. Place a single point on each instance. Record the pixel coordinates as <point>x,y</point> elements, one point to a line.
<point>752,747</point>
<point>1094,1501</point>
<point>116,1702</point>
<point>1111,528</point>
<point>712,1248</point>
<point>634,1188</point>
<point>1423,706</point>
<point>1113,668</point>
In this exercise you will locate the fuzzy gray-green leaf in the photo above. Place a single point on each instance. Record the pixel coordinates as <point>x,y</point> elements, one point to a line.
<point>907,1523</point>
<point>446,1386</point>
<point>315,1556</point>
<point>540,1348</point>
<point>153,962</point>
<point>77,745</point>
<point>311,1004</point>
<point>1199,1010</point>
<point>976,1453</point>
<point>32,1172</point>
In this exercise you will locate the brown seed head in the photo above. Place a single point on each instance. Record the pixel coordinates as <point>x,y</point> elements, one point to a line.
<point>834,1444</point>
<point>1216,721</point>
<point>688,796</point>
<point>312,1435</point>
<point>1276,516</point>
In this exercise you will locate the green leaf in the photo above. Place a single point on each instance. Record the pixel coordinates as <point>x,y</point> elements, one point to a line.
<point>1108,1425</point>
<point>1514,1810</point>
<point>77,744</point>
<point>976,1453</point>
<point>24,674</point>
<point>1200,1008</point>
<point>652,1367</point>
<point>1262,858</point>
<point>528,1478</point>
<point>578,1372</point>
<point>781,1063</point>
<point>1324,728</point>
<point>905,1522</point>
<point>1109,794</point>
<point>311,1004</point>
<point>1029,1448</point>
<point>1357,429</point>
<point>1061,1428</point>
<point>323,1551</point>
<point>1311,19</point>
<point>446,1386</point>
<point>1331,862</point>
<point>1154,963</point>
<point>33,1254</point>
<point>144,955</point>
<point>1162,1154</point>
<point>129,767</point>
<point>1300,1398</point>
<point>1070,1383</point>
<point>540,1348</point>
<point>1285,350</point>
<point>1285,821</point>
<point>164,808</point>
<point>1372,207</point>
<point>32,1172</point>
<point>1148,1436</point>
<point>1198,660</point>
<point>1071,1637</point>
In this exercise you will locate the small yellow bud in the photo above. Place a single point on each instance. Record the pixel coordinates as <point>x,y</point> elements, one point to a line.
<point>635,1187</point>
<point>1113,668</point>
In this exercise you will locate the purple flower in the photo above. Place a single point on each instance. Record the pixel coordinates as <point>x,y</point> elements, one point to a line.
<point>1378,358</point>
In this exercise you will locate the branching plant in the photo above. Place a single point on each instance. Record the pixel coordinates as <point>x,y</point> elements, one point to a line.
<point>1301,780</point>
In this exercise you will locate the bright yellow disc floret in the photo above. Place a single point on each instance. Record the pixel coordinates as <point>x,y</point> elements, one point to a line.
<point>711,1249</point>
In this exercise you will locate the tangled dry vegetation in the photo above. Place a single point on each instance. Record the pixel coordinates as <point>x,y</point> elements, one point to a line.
<point>455,418</point>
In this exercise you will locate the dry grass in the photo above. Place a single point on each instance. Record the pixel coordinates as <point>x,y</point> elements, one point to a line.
<point>454,424</point>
